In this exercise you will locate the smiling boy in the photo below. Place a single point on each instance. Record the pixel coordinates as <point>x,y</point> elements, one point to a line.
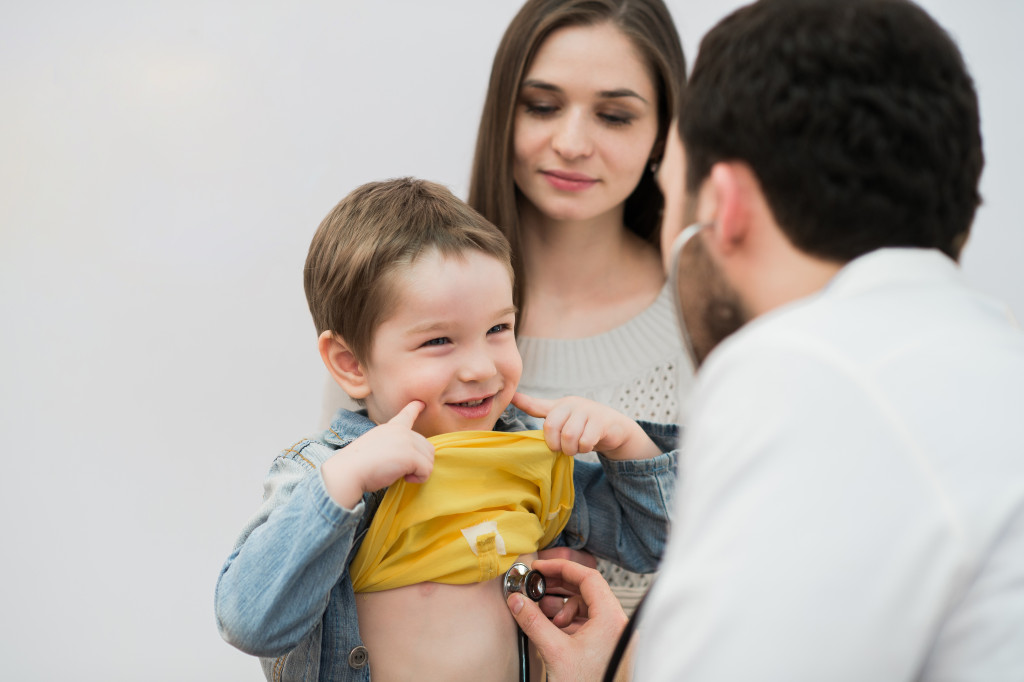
<point>411,293</point>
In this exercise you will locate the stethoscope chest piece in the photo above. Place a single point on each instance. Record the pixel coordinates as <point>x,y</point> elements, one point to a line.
<point>520,578</point>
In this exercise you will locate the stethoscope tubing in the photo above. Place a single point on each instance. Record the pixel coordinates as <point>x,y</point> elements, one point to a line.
<point>520,578</point>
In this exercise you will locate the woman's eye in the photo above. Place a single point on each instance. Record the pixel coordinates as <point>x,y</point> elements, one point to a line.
<point>539,109</point>
<point>439,341</point>
<point>616,119</point>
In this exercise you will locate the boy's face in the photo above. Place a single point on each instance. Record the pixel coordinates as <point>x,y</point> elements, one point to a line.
<point>449,342</point>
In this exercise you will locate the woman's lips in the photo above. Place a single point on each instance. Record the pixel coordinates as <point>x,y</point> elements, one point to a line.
<point>569,182</point>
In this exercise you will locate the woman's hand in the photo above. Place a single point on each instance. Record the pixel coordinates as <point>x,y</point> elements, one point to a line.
<point>579,556</point>
<point>577,646</point>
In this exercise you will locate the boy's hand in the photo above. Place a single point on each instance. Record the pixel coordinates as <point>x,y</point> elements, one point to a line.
<point>378,458</point>
<point>573,425</point>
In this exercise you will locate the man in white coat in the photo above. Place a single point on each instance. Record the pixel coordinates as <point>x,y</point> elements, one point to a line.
<point>851,501</point>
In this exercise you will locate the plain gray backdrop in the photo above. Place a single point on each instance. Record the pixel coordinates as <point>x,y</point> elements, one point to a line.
<point>163,166</point>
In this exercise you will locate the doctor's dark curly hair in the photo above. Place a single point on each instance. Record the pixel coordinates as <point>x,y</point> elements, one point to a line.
<point>858,117</point>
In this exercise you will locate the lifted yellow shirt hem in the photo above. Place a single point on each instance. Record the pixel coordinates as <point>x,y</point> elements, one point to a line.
<point>491,497</point>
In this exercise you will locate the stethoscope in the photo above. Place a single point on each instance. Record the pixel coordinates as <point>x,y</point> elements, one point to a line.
<point>520,578</point>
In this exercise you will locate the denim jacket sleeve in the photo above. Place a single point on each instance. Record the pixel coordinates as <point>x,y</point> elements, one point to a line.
<point>275,586</point>
<point>623,508</point>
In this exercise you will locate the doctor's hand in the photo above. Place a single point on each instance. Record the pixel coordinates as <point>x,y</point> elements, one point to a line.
<point>578,640</point>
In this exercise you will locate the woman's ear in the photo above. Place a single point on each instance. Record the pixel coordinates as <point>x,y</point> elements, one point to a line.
<point>341,362</point>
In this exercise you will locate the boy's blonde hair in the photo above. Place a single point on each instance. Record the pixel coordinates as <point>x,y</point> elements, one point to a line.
<point>377,230</point>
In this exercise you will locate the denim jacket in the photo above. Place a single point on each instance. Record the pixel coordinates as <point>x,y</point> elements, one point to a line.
<point>285,594</point>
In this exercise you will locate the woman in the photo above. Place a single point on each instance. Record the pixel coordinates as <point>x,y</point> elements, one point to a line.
<point>581,97</point>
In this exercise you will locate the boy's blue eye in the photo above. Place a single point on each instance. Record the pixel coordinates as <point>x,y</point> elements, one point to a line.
<point>439,341</point>
<point>498,328</point>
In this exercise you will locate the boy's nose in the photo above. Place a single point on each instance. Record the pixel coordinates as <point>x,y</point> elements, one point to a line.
<point>477,366</point>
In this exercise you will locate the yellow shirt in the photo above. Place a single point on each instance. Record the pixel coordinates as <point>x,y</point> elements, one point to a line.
<point>491,497</point>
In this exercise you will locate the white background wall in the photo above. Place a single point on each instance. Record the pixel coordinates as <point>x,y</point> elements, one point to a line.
<point>163,166</point>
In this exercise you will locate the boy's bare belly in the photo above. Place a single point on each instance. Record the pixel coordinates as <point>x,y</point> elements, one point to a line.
<point>432,631</point>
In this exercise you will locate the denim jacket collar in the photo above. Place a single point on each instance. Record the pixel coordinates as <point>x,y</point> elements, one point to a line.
<point>347,425</point>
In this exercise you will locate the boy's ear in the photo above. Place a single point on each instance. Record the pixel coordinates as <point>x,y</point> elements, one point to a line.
<point>343,366</point>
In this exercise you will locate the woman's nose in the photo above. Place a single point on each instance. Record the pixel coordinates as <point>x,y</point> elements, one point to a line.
<point>571,138</point>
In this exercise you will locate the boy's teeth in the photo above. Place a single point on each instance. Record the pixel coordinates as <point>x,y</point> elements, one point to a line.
<point>471,403</point>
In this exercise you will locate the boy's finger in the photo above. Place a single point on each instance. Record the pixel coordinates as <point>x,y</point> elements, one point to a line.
<point>407,415</point>
<point>420,475</point>
<point>554,424</point>
<point>593,433</point>
<point>535,407</point>
<point>424,464</point>
<point>566,426</point>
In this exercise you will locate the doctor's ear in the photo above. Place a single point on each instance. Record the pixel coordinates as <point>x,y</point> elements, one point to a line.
<point>341,362</point>
<point>734,187</point>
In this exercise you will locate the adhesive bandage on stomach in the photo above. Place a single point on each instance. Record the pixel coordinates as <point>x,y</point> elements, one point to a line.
<point>491,497</point>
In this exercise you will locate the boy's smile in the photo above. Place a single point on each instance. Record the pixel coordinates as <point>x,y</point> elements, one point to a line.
<point>448,342</point>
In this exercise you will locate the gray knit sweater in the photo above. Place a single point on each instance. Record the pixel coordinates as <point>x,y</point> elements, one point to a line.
<point>639,368</point>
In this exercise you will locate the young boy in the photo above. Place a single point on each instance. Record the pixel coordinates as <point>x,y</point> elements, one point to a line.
<point>411,293</point>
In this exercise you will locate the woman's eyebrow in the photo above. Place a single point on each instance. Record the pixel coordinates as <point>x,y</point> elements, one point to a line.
<point>621,92</point>
<point>541,85</point>
<point>604,94</point>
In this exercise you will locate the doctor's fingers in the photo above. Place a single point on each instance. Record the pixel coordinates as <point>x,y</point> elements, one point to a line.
<point>571,613</point>
<point>548,639</point>
<point>573,578</point>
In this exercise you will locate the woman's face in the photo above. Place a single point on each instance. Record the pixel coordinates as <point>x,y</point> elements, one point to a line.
<point>585,123</point>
